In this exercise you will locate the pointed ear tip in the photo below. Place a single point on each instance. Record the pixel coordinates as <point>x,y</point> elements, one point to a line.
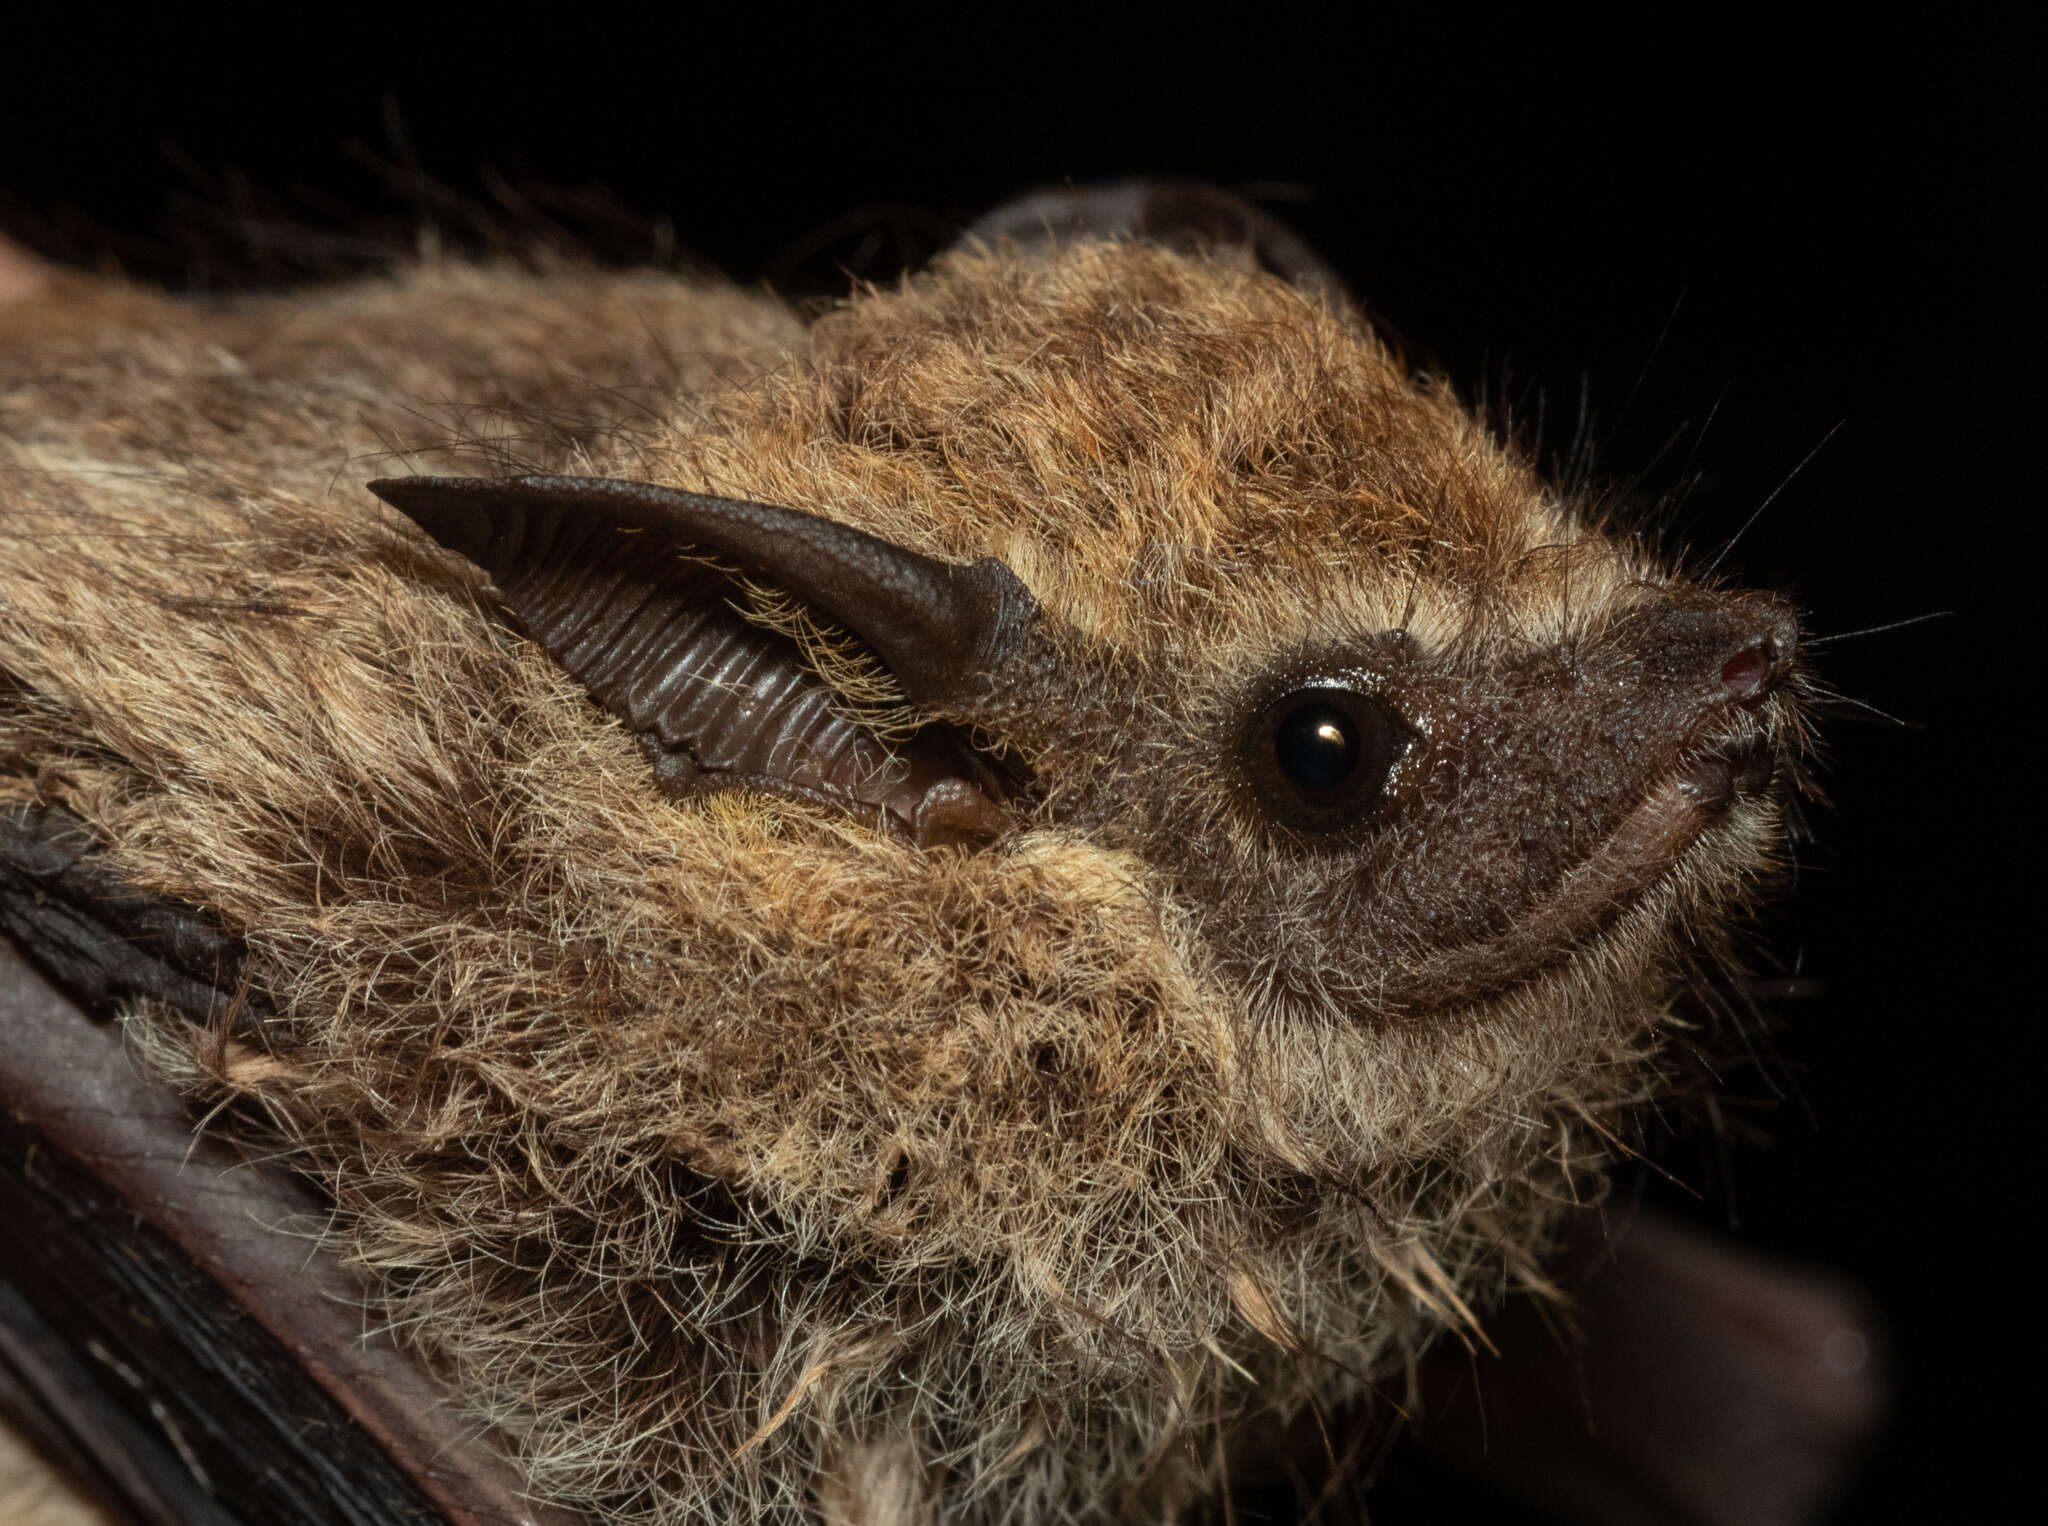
<point>427,501</point>
<point>423,482</point>
<point>441,507</point>
<point>394,489</point>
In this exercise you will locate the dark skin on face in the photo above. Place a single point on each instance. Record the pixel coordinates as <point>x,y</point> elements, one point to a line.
<point>1520,807</point>
<point>1426,829</point>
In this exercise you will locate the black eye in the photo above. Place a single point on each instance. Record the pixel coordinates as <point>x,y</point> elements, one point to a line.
<point>1319,757</point>
<point>1316,746</point>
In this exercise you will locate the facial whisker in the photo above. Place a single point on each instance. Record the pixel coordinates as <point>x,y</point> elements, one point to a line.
<point>1878,630</point>
<point>1790,478</point>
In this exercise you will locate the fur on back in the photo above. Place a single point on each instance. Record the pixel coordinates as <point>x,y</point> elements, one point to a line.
<point>723,1154</point>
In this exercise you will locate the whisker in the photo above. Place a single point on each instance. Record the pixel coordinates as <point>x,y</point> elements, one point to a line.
<point>1790,477</point>
<point>1836,697</point>
<point>1700,438</point>
<point>1650,360</point>
<point>1873,630</point>
<point>1580,465</point>
<point>1670,442</point>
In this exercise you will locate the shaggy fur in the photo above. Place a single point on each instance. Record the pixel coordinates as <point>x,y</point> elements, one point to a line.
<point>734,1160</point>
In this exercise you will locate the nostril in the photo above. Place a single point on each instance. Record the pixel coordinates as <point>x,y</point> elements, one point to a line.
<point>1749,672</point>
<point>1719,649</point>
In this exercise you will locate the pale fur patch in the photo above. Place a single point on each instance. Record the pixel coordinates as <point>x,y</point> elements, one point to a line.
<point>875,1484</point>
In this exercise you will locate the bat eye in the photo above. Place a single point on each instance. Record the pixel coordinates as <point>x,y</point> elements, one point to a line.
<point>1319,757</point>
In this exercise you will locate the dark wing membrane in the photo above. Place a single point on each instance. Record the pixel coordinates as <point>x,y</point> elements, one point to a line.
<point>98,938</point>
<point>652,633</point>
<point>153,1389</point>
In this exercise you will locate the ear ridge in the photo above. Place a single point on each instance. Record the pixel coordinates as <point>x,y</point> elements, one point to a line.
<point>629,587</point>
<point>940,627</point>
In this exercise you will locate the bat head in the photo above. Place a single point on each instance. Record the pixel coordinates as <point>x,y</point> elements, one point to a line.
<point>1268,817</point>
<point>1177,559</point>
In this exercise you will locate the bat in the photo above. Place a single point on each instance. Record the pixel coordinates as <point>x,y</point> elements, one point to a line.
<point>962,911</point>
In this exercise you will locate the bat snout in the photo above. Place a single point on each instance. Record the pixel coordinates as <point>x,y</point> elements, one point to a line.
<point>1718,650</point>
<point>1720,661</point>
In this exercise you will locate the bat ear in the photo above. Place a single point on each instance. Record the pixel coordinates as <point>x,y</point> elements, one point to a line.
<point>1187,215</point>
<point>570,552</point>
<point>600,572</point>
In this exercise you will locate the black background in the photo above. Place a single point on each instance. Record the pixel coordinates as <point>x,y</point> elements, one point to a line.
<point>1728,247</point>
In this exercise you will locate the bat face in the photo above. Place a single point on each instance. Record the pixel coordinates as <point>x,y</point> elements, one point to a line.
<point>1429,823</point>
<point>1119,839</point>
<point>1397,729</point>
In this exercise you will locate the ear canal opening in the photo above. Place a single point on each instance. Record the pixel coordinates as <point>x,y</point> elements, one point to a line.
<point>942,629</point>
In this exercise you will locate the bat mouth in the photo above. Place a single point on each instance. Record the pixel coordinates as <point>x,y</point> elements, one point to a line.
<point>1645,848</point>
<point>1742,768</point>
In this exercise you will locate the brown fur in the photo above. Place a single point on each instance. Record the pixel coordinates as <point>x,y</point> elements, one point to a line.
<point>739,1162</point>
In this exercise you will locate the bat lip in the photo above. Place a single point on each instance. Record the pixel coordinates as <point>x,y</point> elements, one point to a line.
<point>1735,763</point>
<point>1740,768</point>
<point>1642,853</point>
